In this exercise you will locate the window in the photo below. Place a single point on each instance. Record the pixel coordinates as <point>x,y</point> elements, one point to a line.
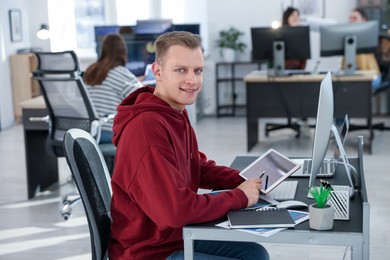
<point>72,22</point>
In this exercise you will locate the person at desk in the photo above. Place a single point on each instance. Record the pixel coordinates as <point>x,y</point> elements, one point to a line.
<point>365,61</point>
<point>159,169</point>
<point>291,18</point>
<point>109,81</point>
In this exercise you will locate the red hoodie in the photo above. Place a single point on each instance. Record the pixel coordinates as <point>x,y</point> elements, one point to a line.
<point>158,171</point>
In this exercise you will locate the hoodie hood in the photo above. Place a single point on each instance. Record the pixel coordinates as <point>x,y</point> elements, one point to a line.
<point>141,100</point>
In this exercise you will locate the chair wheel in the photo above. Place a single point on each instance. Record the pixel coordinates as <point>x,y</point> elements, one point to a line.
<point>65,216</point>
<point>66,201</point>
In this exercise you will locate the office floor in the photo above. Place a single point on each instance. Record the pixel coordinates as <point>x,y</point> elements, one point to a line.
<point>34,229</point>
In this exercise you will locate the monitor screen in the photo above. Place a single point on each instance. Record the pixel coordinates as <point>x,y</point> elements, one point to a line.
<point>140,52</point>
<point>323,128</point>
<point>101,31</point>
<point>140,39</point>
<point>333,37</point>
<point>192,28</point>
<point>153,26</point>
<point>296,42</point>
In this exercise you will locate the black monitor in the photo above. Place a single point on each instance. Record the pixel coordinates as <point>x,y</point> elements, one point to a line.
<point>101,31</point>
<point>348,40</point>
<point>140,39</point>
<point>140,52</point>
<point>192,28</point>
<point>277,45</point>
<point>153,26</point>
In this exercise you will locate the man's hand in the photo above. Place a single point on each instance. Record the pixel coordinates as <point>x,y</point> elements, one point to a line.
<point>251,188</point>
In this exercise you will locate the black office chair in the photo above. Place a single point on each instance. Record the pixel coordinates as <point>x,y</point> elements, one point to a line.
<point>69,106</point>
<point>93,181</point>
<point>383,87</point>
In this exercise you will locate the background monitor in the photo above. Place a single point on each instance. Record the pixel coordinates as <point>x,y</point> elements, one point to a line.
<point>140,39</point>
<point>153,26</point>
<point>269,44</point>
<point>101,31</point>
<point>348,40</point>
<point>192,28</point>
<point>323,128</point>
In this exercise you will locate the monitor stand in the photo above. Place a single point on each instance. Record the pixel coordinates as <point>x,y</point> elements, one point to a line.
<point>278,52</point>
<point>344,157</point>
<point>350,55</point>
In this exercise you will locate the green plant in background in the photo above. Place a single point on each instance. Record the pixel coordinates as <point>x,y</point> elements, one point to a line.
<point>321,194</point>
<point>230,39</point>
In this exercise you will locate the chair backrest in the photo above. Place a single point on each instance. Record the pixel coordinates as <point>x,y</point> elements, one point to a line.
<point>65,94</point>
<point>94,184</point>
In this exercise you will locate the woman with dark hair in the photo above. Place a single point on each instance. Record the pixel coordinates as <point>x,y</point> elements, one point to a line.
<point>291,17</point>
<point>365,61</point>
<point>109,81</point>
<point>358,15</point>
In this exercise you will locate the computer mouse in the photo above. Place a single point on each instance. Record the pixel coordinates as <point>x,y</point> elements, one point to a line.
<point>292,204</point>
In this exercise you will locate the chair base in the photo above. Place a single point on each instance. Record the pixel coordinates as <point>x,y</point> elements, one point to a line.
<point>69,203</point>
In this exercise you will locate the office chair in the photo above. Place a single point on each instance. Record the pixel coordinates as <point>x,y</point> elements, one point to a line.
<point>383,58</point>
<point>93,181</point>
<point>69,106</point>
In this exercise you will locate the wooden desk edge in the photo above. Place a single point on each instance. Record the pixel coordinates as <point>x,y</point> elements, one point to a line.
<point>362,75</point>
<point>37,102</point>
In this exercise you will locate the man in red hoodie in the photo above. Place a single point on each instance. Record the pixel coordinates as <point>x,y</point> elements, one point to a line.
<point>159,169</point>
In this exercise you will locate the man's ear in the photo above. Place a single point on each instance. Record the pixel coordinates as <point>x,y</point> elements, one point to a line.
<point>156,68</point>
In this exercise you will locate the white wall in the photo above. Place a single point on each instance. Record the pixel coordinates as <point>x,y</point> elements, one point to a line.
<point>216,15</point>
<point>225,13</point>
<point>6,49</point>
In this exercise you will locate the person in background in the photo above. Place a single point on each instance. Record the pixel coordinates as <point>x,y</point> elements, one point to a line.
<point>109,81</point>
<point>159,169</point>
<point>365,61</point>
<point>291,18</point>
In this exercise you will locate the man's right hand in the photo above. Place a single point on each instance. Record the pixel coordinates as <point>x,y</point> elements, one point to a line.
<point>251,188</point>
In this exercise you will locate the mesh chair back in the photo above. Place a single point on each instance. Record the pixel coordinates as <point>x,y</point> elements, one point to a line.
<point>94,184</point>
<point>65,62</point>
<point>66,97</point>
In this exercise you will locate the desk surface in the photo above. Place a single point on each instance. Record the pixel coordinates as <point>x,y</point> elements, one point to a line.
<point>259,76</point>
<point>353,233</point>
<point>37,102</point>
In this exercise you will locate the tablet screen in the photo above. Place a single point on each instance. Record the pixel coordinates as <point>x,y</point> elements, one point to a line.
<point>272,167</point>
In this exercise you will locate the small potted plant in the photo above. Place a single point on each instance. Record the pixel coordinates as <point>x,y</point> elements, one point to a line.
<point>229,43</point>
<point>321,214</point>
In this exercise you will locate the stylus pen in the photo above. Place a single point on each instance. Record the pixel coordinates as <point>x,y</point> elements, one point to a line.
<point>262,174</point>
<point>266,182</point>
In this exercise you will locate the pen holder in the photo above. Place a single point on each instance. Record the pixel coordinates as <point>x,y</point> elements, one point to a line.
<point>321,218</point>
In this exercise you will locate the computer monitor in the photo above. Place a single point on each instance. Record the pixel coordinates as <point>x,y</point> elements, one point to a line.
<point>192,28</point>
<point>269,44</point>
<point>323,129</point>
<point>153,26</point>
<point>101,31</point>
<point>348,40</point>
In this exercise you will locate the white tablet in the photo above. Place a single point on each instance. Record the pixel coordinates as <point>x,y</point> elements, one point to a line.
<point>272,167</point>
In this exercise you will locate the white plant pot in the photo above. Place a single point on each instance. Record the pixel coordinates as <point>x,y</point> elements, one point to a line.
<point>228,54</point>
<point>321,218</point>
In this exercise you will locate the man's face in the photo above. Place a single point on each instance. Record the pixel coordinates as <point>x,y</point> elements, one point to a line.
<point>179,77</point>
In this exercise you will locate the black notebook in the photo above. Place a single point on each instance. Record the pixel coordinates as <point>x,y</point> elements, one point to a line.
<point>260,218</point>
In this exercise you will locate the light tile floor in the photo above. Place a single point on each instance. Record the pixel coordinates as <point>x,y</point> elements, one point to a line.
<point>34,229</point>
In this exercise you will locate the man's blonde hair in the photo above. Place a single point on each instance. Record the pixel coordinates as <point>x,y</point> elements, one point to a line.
<point>181,38</point>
